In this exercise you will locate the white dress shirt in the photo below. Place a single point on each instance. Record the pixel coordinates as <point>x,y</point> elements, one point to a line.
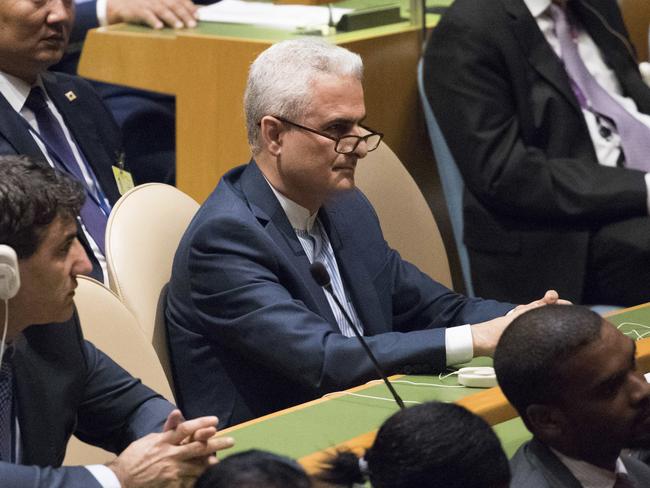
<point>459,345</point>
<point>589,475</point>
<point>608,149</point>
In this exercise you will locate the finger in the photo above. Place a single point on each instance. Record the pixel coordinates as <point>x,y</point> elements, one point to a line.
<point>204,434</point>
<point>202,450</point>
<point>148,17</point>
<point>564,302</point>
<point>551,296</point>
<point>185,11</point>
<point>187,428</point>
<point>174,419</point>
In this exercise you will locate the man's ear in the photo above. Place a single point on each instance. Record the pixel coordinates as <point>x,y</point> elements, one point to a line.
<point>546,422</point>
<point>271,130</point>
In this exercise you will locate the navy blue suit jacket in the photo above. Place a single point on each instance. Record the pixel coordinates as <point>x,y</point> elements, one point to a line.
<point>250,332</point>
<point>63,385</point>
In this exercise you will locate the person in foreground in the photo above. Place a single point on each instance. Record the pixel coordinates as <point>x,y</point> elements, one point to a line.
<point>434,445</point>
<point>53,383</point>
<point>250,331</point>
<point>572,377</point>
<point>255,469</point>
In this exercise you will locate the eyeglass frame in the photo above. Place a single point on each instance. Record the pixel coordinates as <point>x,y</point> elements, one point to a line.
<point>337,140</point>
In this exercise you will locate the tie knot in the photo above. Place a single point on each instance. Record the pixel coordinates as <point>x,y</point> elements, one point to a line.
<point>36,100</point>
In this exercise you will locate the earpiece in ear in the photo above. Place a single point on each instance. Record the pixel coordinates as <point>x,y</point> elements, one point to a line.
<point>9,274</point>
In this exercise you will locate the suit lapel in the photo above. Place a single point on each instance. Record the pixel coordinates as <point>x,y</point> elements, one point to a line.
<point>76,111</point>
<point>356,279</point>
<point>14,129</point>
<point>557,474</point>
<point>269,212</point>
<point>537,50</point>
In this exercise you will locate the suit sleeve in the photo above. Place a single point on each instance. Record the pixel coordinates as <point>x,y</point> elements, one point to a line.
<point>84,20</point>
<point>45,477</point>
<point>471,78</point>
<point>117,408</point>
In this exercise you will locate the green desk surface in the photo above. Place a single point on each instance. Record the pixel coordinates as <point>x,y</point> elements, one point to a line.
<point>345,415</point>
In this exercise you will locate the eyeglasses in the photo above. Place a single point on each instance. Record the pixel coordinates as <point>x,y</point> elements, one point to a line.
<point>344,144</point>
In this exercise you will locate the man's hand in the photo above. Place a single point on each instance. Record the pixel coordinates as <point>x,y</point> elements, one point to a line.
<point>154,13</point>
<point>486,334</point>
<point>173,458</point>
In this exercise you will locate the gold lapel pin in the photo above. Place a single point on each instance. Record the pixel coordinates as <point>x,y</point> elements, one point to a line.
<point>71,96</point>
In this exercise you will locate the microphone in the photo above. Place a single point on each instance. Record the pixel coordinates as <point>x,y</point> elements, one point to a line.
<point>322,279</point>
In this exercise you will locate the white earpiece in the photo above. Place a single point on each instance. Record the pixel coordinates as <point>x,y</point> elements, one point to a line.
<point>9,274</point>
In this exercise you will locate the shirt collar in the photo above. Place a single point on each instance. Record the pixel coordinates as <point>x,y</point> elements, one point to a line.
<point>537,7</point>
<point>299,217</point>
<point>590,475</point>
<point>16,90</point>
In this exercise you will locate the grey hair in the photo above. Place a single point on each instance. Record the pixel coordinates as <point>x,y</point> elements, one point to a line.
<point>279,80</point>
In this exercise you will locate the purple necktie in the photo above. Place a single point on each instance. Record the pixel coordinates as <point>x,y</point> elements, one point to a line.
<point>92,216</point>
<point>6,398</point>
<point>635,136</point>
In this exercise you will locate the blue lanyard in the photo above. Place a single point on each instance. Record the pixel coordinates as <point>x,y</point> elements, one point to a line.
<point>98,195</point>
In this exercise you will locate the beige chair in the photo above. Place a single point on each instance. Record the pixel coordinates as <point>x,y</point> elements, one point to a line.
<point>405,216</point>
<point>109,325</point>
<point>142,235</point>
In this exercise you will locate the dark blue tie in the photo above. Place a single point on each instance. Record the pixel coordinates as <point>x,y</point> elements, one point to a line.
<point>92,216</point>
<point>5,408</point>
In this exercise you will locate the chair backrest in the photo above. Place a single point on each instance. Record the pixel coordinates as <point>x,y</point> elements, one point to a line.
<point>111,327</point>
<point>452,183</point>
<point>406,219</point>
<point>143,232</point>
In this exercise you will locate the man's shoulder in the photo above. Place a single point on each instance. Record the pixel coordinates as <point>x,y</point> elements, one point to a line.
<point>527,472</point>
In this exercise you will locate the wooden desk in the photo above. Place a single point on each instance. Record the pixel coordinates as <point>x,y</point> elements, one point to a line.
<point>344,420</point>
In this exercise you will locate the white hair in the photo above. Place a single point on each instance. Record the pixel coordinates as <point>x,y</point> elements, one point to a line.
<point>280,79</point>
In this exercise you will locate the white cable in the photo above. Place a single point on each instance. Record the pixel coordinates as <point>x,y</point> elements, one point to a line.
<point>337,394</point>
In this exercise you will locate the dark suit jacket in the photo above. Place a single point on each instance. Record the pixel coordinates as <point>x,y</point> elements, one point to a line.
<point>64,385</point>
<point>250,331</point>
<point>88,120</point>
<point>535,466</point>
<point>516,131</point>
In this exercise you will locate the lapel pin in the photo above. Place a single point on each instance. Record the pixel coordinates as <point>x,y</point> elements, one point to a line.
<point>71,96</point>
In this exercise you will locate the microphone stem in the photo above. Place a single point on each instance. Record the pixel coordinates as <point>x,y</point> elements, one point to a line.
<point>381,374</point>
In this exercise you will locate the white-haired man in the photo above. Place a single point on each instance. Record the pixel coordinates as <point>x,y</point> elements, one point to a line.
<point>250,331</point>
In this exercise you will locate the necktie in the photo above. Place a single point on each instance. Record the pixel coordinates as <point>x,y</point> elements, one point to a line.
<point>92,216</point>
<point>5,408</point>
<point>635,136</point>
<point>623,481</point>
<point>319,248</point>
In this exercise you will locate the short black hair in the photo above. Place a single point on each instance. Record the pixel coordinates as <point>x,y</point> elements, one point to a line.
<point>434,445</point>
<point>530,350</point>
<point>254,469</point>
<point>32,196</point>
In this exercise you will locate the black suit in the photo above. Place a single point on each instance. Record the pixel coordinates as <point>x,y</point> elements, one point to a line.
<point>64,385</point>
<point>539,207</point>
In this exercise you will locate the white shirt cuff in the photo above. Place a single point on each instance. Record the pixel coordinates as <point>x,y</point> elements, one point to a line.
<point>102,6</point>
<point>104,476</point>
<point>647,184</point>
<point>458,344</point>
